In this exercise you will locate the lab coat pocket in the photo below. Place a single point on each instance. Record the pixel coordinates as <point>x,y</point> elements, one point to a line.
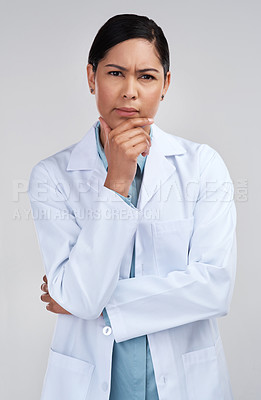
<point>66,378</point>
<point>202,374</point>
<point>171,244</point>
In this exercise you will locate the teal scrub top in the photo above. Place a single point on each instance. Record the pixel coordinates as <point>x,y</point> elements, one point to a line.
<point>132,374</point>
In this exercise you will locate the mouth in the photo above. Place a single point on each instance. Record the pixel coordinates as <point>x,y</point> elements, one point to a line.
<point>126,111</point>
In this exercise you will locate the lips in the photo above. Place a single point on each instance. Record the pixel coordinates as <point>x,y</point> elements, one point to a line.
<point>127,109</point>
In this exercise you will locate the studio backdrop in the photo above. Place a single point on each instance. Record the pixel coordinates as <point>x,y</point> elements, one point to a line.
<point>213,98</point>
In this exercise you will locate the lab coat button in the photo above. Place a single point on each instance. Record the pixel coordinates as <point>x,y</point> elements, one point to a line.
<point>104,386</point>
<point>106,330</point>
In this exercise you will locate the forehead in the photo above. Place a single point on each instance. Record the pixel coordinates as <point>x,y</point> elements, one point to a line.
<point>138,51</point>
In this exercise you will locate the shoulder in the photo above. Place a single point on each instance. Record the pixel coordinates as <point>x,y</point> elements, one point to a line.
<point>199,162</point>
<point>191,151</point>
<point>48,174</point>
<point>53,163</point>
<point>61,158</point>
<point>76,155</point>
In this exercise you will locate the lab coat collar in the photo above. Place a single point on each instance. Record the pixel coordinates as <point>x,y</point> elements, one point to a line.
<point>84,155</point>
<point>157,169</point>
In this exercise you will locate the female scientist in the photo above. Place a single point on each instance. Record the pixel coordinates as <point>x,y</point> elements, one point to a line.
<point>136,228</point>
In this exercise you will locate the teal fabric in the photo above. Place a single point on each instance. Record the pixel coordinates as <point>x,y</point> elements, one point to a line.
<point>132,375</point>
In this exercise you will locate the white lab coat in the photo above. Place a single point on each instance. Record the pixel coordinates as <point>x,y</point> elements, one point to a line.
<point>184,234</point>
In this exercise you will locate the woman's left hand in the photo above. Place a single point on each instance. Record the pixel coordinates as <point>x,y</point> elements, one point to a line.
<point>52,305</point>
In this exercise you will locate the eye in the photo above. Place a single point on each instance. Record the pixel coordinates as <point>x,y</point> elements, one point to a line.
<point>149,76</point>
<point>114,72</point>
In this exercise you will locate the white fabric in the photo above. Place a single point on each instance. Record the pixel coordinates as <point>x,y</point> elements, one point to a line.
<point>184,233</point>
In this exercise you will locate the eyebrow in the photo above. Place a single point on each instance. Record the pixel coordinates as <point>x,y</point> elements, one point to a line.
<point>125,69</point>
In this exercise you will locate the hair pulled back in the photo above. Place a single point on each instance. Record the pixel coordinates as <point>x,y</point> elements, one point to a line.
<point>124,27</point>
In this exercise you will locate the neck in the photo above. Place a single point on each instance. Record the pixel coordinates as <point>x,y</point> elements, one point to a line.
<point>102,135</point>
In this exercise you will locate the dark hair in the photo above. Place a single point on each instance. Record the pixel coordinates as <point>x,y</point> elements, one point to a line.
<point>124,27</point>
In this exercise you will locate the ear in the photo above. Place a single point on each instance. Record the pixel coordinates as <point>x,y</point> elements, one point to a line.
<point>90,77</point>
<point>167,83</point>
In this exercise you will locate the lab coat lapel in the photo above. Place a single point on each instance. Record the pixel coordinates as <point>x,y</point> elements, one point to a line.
<point>85,157</point>
<point>158,169</point>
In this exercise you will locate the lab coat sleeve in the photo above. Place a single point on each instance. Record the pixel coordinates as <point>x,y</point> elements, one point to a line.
<point>128,201</point>
<point>203,288</point>
<point>81,263</point>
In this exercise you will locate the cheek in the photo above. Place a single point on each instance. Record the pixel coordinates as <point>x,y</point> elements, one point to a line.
<point>152,92</point>
<point>105,95</point>
<point>152,109</point>
<point>156,91</point>
<point>152,98</point>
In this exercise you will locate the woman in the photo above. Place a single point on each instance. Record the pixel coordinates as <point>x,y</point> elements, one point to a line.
<point>132,201</point>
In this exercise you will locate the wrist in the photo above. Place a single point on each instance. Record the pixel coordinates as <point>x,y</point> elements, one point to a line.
<point>118,186</point>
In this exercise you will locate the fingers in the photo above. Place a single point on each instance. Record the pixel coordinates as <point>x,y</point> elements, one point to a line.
<point>139,149</point>
<point>44,287</point>
<point>46,298</point>
<point>132,143</point>
<point>52,305</point>
<point>129,142</point>
<point>126,125</point>
<point>145,153</point>
<point>56,308</point>
<point>131,133</point>
<point>130,124</point>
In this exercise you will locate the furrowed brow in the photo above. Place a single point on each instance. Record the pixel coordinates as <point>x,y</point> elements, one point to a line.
<point>148,69</point>
<point>125,69</point>
<point>116,66</point>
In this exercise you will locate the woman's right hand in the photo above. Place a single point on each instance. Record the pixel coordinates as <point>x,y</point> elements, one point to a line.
<point>122,147</point>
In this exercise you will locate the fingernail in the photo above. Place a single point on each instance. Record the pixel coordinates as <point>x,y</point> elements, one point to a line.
<point>150,119</point>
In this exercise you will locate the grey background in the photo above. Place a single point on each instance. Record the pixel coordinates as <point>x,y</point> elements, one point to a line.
<point>214,98</point>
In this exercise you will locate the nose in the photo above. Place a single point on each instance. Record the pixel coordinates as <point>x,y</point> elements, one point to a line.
<point>129,89</point>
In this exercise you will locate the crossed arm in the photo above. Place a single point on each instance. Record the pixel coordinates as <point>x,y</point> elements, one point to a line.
<point>202,290</point>
<point>52,305</point>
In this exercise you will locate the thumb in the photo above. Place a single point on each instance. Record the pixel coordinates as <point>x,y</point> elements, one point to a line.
<point>105,126</point>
